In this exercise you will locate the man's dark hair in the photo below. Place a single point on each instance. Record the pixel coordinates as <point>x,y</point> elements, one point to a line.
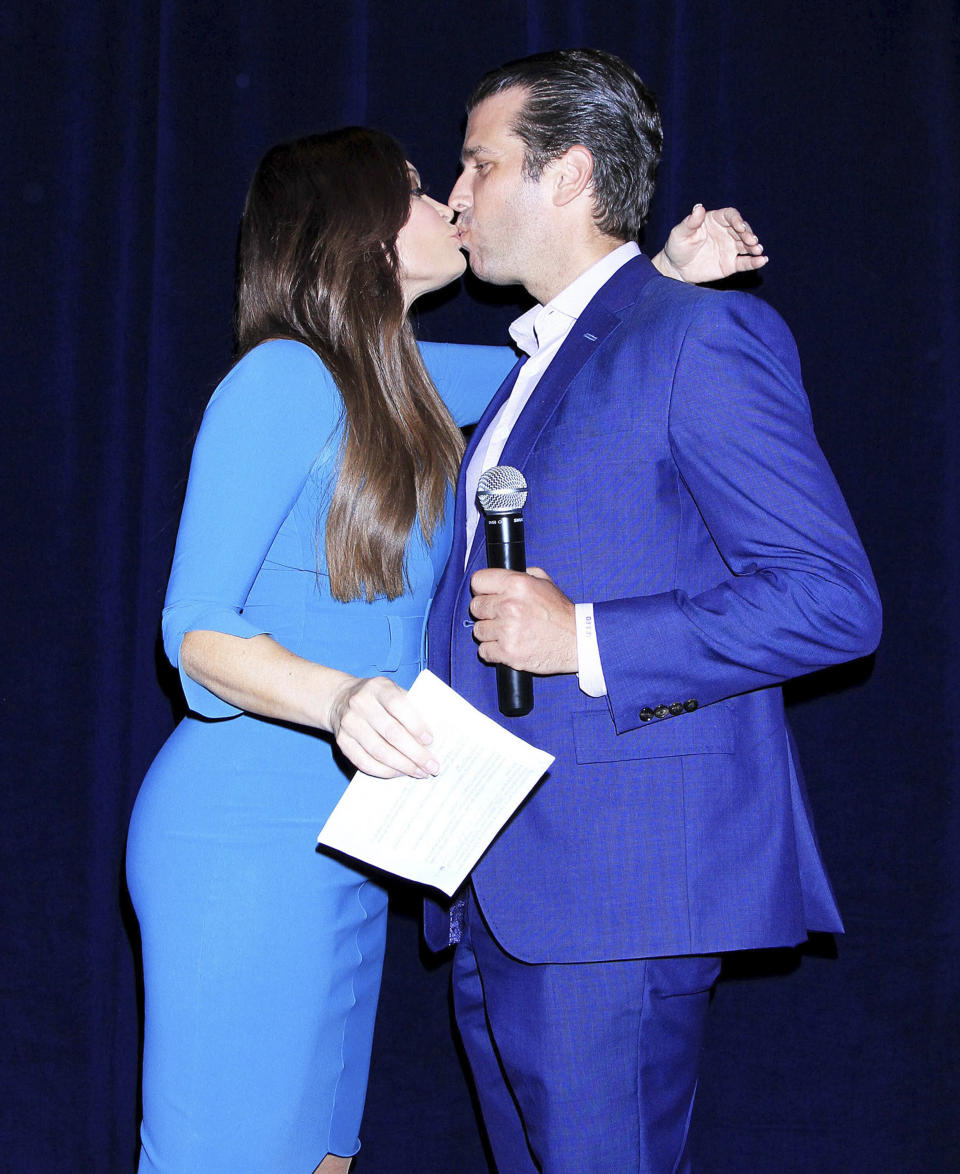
<point>591,98</point>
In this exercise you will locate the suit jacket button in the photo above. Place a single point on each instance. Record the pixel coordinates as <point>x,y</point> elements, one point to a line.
<point>676,708</point>
<point>690,705</point>
<point>646,714</point>
<point>661,711</point>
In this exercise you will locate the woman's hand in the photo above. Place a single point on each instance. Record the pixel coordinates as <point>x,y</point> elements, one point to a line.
<point>707,246</point>
<point>379,730</point>
<point>372,719</point>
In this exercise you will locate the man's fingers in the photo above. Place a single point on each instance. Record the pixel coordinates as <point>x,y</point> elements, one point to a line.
<point>491,580</point>
<point>508,606</point>
<point>490,587</point>
<point>486,631</point>
<point>487,651</point>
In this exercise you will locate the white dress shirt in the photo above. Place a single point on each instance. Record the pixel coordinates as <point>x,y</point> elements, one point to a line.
<point>540,333</point>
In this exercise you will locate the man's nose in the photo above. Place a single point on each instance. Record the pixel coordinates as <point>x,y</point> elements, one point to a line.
<point>460,196</point>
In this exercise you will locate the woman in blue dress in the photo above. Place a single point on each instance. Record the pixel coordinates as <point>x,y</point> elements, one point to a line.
<point>315,527</point>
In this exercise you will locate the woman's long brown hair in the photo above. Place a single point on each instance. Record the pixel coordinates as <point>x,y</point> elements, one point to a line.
<point>318,263</point>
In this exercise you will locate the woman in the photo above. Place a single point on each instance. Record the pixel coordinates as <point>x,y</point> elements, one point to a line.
<point>315,526</point>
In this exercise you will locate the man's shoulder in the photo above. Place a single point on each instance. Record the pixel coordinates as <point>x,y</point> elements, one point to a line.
<point>660,319</point>
<point>663,302</point>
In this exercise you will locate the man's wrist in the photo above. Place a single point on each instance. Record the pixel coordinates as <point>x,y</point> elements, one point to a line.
<point>589,668</point>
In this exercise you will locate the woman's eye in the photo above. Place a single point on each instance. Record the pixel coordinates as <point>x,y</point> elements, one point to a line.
<point>418,192</point>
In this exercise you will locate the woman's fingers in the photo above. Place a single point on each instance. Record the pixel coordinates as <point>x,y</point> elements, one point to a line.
<point>381,732</point>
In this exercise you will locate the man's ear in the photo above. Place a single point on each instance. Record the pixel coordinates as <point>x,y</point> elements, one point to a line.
<point>572,174</point>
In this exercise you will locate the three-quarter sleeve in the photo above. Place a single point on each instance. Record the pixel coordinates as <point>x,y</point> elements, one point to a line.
<point>467,377</point>
<point>270,420</point>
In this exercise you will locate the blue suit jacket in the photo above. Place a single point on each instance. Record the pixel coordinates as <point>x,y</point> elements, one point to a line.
<point>676,482</point>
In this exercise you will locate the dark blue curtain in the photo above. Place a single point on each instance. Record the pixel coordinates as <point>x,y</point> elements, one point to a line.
<point>130,130</point>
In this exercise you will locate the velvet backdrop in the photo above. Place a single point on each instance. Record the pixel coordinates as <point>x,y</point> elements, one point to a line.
<point>130,131</point>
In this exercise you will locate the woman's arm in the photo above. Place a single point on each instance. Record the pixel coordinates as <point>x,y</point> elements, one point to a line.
<point>467,377</point>
<point>266,426</point>
<point>707,246</point>
<point>371,718</point>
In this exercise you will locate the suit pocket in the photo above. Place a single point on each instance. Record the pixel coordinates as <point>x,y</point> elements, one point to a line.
<point>708,731</point>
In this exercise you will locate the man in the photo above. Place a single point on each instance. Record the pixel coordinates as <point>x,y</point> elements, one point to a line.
<point>699,553</point>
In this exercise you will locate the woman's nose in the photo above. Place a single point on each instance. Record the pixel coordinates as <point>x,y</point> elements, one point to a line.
<point>443,210</point>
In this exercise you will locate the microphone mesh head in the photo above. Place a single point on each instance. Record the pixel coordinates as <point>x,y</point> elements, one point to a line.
<point>502,490</point>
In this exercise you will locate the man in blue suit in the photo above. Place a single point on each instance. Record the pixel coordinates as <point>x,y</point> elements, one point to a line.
<point>699,553</point>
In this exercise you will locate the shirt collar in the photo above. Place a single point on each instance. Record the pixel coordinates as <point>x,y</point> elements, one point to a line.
<point>528,331</point>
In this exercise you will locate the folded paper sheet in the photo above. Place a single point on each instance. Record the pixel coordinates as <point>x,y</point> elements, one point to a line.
<point>435,830</point>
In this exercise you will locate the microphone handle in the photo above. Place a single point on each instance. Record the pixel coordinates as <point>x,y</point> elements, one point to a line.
<point>514,691</point>
<point>506,551</point>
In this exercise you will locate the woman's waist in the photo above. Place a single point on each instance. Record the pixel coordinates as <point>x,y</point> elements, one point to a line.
<point>364,639</point>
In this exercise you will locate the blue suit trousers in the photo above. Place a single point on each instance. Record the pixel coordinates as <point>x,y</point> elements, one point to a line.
<point>582,1066</point>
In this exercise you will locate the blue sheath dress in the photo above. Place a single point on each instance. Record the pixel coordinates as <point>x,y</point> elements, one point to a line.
<point>261,955</point>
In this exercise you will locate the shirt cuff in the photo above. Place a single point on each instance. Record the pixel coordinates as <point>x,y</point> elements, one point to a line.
<point>590,670</point>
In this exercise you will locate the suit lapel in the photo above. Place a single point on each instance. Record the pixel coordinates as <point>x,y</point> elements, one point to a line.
<point>588,333</point>
<point>597,322</point>
<point>594,326</point>
<point>450,581</point>
<point>460,510</point>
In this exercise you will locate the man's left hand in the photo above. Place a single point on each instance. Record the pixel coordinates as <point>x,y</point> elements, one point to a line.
<point>524,621</point>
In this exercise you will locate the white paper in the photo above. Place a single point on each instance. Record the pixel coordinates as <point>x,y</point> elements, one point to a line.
<point>435,830</point>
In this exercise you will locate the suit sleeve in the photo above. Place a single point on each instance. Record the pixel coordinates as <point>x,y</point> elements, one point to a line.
<point>467,377</point>
<point>800,594</point>
<point>263,431</point>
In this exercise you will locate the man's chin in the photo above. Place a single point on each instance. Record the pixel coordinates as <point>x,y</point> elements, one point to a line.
<point>484,273</point>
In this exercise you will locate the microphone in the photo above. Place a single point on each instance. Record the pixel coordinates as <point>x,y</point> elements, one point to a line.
<point>501,495</point>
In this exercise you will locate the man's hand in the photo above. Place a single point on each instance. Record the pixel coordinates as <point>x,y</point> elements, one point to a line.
<point>707,246</point>
<point>524,621</point>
